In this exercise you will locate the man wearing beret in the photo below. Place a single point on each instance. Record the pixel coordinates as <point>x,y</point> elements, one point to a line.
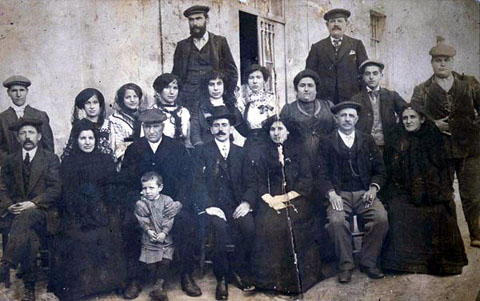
<point>452,101</point>
<point>29,190</point>
<point>381,107</point>
<point>17,90</point>
<point>336,59</point>
<point>199,54</point>
<point>219,187</point>
<point>350,172</point>
<point>164,155</point>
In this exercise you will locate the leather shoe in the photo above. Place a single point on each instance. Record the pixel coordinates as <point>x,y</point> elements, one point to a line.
<point>242,283</point>
<point>4,272</point>
<point>132,291</point>
<point>221,293</point>
<point>475,243</point>
<point>189,286</point>
<point>344,276</point>
<point>372,272</point>
<point>29,293</point>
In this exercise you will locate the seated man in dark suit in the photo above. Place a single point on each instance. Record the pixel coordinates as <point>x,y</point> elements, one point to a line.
<point>219,187</point>
<point>350,172</point>
<point>29,193</point>
<point>169,158</point>
<point>17,90</point>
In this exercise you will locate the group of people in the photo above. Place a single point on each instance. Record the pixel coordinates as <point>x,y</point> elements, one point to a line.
<point>143,188</point>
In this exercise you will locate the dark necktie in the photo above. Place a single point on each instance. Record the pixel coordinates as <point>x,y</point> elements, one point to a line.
<point>374,94</point>
<point>27,166</point>
<point>336,44</point>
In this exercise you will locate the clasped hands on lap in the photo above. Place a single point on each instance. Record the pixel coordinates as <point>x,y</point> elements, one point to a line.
<point>241,210</point>
<point>280,201</point>
<point>18,208</point>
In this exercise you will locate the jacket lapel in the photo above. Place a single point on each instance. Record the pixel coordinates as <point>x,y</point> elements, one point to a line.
<point>18,172</point>
<point>328,48</point>
<point>344,47</point>
<point>38,165</point>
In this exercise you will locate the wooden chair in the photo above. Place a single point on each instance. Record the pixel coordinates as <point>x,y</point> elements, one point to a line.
<point>357,235</point>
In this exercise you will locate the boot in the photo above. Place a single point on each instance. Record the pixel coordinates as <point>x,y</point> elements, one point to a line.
<point>29,292</point>
<point>158,293</point>
<point>5,272</point>
<point>221,293</point>
<point>132,291</point>
<point>189,286</point>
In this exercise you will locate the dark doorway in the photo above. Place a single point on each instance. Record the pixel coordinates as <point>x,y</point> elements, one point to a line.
<point>248,42</point>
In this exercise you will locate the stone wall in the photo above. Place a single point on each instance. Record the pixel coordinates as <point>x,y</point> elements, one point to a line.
<point>64,46</point>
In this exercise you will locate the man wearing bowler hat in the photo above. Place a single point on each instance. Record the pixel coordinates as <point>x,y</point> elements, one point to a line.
<point>381,107</point>
<point>17,90</point>
<point>169,158</point>
<point>349,173</point>
<point>199,54</point>
<point>29,190</point>
<point>336,59</point>
<point>219,188</point>
<point>452,101</point>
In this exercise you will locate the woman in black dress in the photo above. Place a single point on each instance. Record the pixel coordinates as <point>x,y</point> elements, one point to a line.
<point>284,217</point>
<point>423,235</point>
<point>88,255</point>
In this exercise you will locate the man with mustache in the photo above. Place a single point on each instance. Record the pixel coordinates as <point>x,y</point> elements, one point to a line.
<point>336,59</point>
<point>29,190</point>
<point>219,188</point>
<point>17,90</point>
<point>381,107</point>
<point>349,173</point>
<point>452,101</point>
<point>169,158</point>
<point>199,54</point>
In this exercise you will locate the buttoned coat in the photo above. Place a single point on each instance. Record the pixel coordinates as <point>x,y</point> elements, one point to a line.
<point>391,106</point>
<point>214,174</point>
<point>327,172</point>
<point>8,141</point>
<point>44,187</point>
<point>463,117</point>
<point>341,71</point>
<point>220,57</point>
<point>170,160</point>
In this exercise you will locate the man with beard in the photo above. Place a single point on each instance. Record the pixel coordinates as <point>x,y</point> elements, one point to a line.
<point>29,192</point>
<point>336,59</point>
<point>452,101</point>
<point>219,188</point>
<point>199,54</point>
<point>169,158</point>
<point>17,90</point>
<point>350,172</point>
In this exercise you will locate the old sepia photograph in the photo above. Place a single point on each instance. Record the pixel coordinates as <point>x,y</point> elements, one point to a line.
<point>257,150</point>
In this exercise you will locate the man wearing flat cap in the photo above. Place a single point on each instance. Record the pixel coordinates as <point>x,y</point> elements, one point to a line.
<point>17,90</point>
<point>219,188</point>
<point>452,101</point>
<point>336,59</point>
<point>349,172</point>
<point>381,107</point>
<point>29,190</point>
<point>199,54</point>
<point>169,158</point>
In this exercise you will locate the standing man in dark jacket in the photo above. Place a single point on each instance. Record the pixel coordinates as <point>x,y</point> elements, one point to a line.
<point>17,90</point>
<point>350,172</point>
<point>452,101</point>
<point>169,158</point>
<point>29,192</point>
<point>199,54</point>
<point>220,187</point>
<point>381,107</point>
<point>336,59</point>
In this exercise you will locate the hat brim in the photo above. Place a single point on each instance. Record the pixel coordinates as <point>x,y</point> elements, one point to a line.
<point>230,117</point>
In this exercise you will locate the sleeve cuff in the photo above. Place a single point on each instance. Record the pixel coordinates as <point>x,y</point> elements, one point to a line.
<point>376,185</point>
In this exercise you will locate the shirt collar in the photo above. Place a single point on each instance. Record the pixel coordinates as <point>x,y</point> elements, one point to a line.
<point>344,136</point>
<point>154,146</point>
<point>31,153</point>
<point>370,89</point>
<point>203,38</point>
<point>332,39</point>
<point>221,145</point>
<point>19,109</point>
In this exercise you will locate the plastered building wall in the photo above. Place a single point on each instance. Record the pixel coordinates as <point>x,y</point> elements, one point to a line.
<point>64,46</point>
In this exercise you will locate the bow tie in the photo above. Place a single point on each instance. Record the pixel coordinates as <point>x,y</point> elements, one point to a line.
<point>336,42</point>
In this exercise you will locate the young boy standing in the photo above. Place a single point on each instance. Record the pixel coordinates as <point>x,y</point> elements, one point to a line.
<point>157,245</point>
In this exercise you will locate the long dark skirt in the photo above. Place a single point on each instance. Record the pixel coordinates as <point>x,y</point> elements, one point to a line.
<point>88,261</point>
<point>273,254</point>
<point>423,239</point>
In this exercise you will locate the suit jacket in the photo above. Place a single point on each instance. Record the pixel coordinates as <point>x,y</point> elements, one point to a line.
<point>463,117</point>
<point>391,106</point>
<point>44,187</point>
<point>327,171</point>
<point>8,142</point>
<point>341,71</point>
<point>217,179</point>
<point>170,160</point>
<point>221,59</point>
